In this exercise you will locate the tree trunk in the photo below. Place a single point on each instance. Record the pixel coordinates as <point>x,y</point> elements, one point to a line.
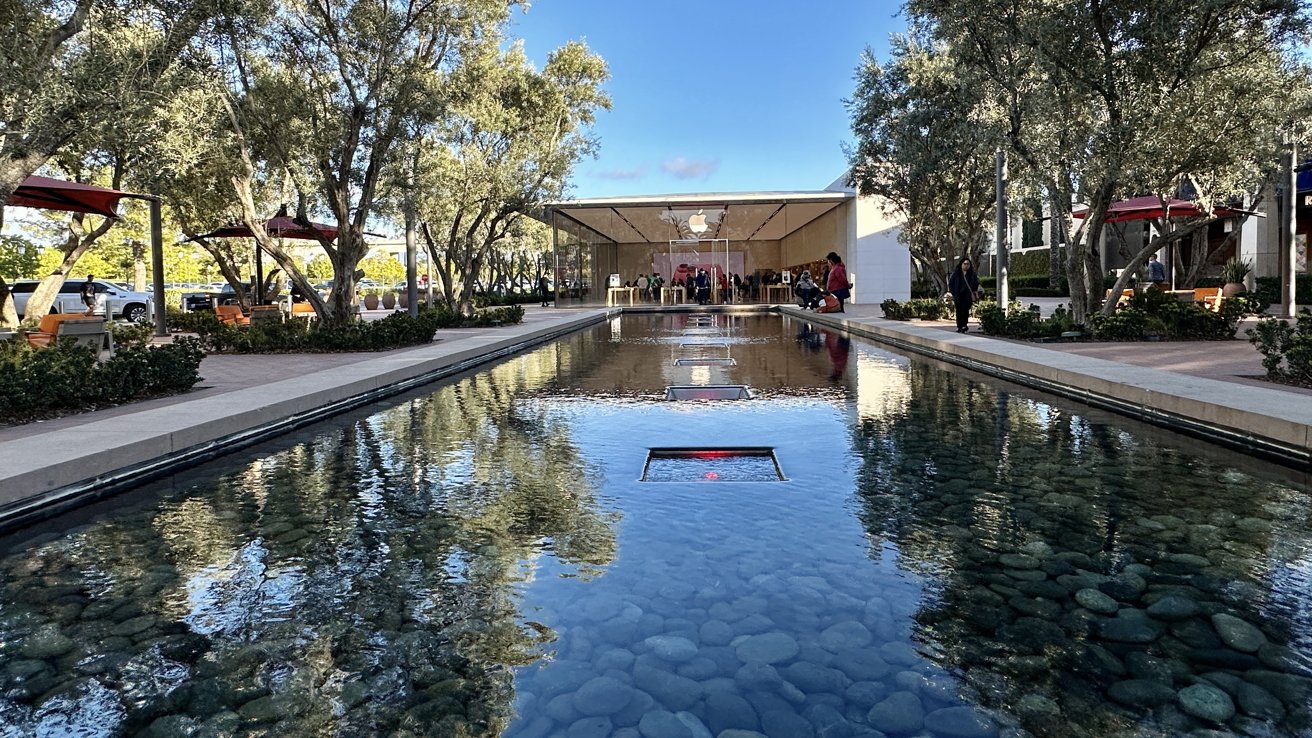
<point>1055,238</point>
<point>8,315</point>
<point>138,266</point>
<point>77,244</point>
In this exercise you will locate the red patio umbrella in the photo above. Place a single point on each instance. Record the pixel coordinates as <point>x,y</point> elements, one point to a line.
<point>75,197</point>
<point>280,226</point>
<point>1149,207</point>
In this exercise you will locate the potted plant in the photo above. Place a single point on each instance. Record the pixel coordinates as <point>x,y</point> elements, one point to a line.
<point>389,300</point>
<point>1233,273</point>
<point>371,301</point>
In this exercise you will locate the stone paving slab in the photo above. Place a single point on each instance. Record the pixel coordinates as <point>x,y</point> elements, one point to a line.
<point>246,394</point>
<point>1233,410</point>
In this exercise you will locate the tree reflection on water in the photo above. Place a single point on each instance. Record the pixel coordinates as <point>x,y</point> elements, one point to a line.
<point>1010,507</point>
<point>362,581</point>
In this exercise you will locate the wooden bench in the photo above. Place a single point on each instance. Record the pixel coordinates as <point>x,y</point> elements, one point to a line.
<point>85,331</point>
<point>303,310</point>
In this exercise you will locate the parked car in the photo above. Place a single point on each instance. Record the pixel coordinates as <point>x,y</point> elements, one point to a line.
<point>111,300</point>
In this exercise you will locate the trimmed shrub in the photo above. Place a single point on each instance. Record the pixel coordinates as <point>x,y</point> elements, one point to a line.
<point>397,330</point>
<point>894,310</point>
<point>1286,348</point>
<point>36,382</point>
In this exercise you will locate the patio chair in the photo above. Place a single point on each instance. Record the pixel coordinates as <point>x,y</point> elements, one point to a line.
<point>85,331</point>
<point>231,315</point>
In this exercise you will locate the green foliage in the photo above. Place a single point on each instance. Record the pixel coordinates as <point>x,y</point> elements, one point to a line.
<point>1154,313</point>
<point>397,330</point>
<point>19,258</point>
<point>1020,322</point>
<point>1235,270</point>
<point>1126,324</point>
<point>1031,264</point>
<point>921,143</point>
<point>894,310</point>
<point>1268,289</point>
<point>1286,349</point>
<point>36,382</point>
<point>199,321</point>
<point>383,268</point>
<point>136,335</point>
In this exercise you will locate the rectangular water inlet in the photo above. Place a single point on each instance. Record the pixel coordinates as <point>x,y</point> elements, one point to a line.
<point>743,464</point>
<point>707,392</point>
<point>709,361</point>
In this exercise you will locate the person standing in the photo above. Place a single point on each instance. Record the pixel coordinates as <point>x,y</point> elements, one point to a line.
<point>88,293</point>
<point>836,283</point>
<point>964,288</point>
<point>1156,273</point>
<point>544,289</point>
<point>642,284</point>
<point>703,283</point>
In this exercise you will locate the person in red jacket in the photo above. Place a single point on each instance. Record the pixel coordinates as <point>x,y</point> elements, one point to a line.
<point>837,284</point>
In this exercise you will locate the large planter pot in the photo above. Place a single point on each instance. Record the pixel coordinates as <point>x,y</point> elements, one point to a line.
<point>403,300</point>
<point>389,300</point>
<point>1233,288</point>
<point>371,302</point>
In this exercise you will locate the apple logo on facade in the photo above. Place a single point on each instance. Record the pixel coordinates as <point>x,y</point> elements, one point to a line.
<point>697,223</point>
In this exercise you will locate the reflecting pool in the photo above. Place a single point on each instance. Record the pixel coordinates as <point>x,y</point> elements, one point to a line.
<point>945,556</point>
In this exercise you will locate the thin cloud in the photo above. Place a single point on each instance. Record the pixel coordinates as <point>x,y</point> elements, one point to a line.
<point>621,174</point>
<point>683,168</point>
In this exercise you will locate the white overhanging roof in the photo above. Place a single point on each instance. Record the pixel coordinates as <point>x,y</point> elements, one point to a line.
<point>737,216</point>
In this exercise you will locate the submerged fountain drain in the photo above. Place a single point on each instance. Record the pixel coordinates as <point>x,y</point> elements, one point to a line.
<point>707,392</point>
<point>745,464</point>
<point>708,361</point>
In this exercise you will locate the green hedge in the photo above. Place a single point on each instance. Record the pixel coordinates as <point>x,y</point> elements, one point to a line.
<point>37,382</point>
<point>1156,313</point>
<point>923,308</point>
<point>397,330</point>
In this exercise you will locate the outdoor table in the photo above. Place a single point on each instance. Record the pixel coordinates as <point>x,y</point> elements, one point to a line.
<point>674,300</point>
<point>785,292</point>
<point>612,292</point>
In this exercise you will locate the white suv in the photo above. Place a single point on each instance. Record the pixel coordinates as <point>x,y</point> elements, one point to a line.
<point>111,300</point>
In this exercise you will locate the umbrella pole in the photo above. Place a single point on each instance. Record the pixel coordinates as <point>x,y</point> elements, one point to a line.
<point>259,274</point>
<point>157,265</point>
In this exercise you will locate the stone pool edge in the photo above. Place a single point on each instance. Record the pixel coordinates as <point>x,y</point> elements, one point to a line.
<point>1178,402</point>
<point>48,473</point>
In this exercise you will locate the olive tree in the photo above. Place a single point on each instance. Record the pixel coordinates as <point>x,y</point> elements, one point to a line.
<point>1096,95</point>
<point>925,145</point>
<point>328,91</point>
<point>508,144</point>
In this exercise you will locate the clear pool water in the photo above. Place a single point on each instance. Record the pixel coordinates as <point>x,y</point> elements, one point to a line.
<point>948,557</point>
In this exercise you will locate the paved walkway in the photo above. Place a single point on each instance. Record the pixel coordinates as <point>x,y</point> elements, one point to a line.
<point>1207,388</point>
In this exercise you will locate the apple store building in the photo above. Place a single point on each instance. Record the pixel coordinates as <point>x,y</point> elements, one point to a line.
<point>753,246</point>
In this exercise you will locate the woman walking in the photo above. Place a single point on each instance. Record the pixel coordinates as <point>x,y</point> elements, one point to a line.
<point>836,283</point>
<point>963,285</point>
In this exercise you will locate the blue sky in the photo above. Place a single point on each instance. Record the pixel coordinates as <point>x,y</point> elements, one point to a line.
<point>716,95</point>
